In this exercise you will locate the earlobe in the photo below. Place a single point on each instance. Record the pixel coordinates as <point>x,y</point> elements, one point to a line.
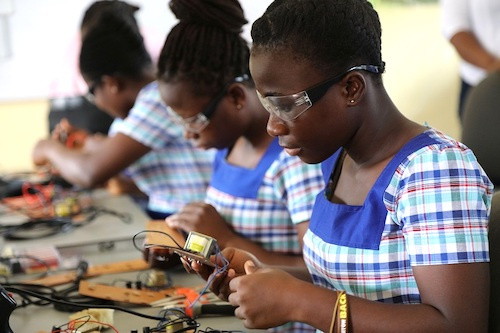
<point>237,94</point>
<point>112,82</point>
<point>355,88</point>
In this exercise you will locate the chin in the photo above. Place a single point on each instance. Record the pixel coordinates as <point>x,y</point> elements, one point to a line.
<point>310,159</point>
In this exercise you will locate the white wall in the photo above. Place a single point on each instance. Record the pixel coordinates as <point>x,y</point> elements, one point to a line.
<point>41,32</point>
<point>422,67</point>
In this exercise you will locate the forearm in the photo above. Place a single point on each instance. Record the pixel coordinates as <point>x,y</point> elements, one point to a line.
<point>90,168</point>
<point>469,49</point>
<point>74,166</point>
<point>454,298</point>
<point>314,305</point>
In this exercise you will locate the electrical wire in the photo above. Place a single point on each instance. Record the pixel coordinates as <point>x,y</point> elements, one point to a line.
<point>83,320</point>
<point>39,289</point>
<point>219,257</point>
<point>218,269</point>
<point>46,227</point>
<point>24,292</point>
<point>173,317</point>
<point>158,232</point>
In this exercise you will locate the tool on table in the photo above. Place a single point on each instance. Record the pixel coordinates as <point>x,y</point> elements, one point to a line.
<point>189,300</point>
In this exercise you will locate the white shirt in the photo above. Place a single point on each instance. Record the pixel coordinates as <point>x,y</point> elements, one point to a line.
<point>480,17</point>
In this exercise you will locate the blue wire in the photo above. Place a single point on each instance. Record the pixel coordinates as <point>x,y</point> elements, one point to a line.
<point>218,270</point>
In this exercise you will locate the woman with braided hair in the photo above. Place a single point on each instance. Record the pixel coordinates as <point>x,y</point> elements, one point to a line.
<point>397,240</point>
<point>259,198</point>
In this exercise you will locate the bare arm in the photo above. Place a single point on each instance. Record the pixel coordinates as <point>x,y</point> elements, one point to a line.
<point>469,49</point>
<point>90,168</point>
<point>454,299</point>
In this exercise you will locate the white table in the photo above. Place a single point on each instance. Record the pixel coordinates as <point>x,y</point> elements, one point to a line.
<point>33,319</point>
<point>104,228</point>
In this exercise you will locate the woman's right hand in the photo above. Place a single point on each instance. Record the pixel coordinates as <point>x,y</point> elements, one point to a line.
<point>219,284</point>
<point>69,135</point>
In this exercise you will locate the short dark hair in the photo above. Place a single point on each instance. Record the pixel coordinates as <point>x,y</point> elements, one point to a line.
<point>331,34</point>
<point>206,47</point>
<point>113,46</point>
<point>92,14</point>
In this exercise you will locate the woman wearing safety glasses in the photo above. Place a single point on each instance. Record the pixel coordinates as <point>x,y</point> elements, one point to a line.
<point>397,241</point>
<point>260,198</point>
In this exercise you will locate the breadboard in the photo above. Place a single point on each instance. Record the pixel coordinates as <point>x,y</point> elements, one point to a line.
<point>126,295</point>
<point>96,270</point>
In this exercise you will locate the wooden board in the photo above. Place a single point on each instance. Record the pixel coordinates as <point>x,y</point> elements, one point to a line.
<point>111,268</point>
<point>156,237</point>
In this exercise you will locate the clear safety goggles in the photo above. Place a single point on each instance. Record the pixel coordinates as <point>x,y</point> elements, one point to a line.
<point>290,107</point>
<point>196,124</point>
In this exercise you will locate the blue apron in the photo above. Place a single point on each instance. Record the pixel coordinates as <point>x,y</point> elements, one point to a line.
<point>359,226</point>
<point>242,182</point>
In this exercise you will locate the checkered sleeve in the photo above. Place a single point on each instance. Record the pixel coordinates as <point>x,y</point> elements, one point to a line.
<point>297,184</point>
<point>149,121</point>
<point>442,202</point>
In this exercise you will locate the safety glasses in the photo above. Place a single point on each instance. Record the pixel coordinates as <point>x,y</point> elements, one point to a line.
<point>290,107</point>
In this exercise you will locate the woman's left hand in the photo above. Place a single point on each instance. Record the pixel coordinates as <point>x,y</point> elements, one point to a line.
<point>200,217</point>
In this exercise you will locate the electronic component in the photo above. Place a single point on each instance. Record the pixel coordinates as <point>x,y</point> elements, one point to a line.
<point>199,243</point>
<point>198,247</point>
<point>7,305</point>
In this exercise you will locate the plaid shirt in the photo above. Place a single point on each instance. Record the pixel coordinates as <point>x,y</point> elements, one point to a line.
<point>265,203</point>
<point>436,208</point>
<point>174,172</point>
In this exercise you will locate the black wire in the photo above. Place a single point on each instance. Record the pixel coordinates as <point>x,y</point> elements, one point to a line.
<point>52,227</point>
<point>180,318</point>
<point>57,225</point>
<point>158,232</point>
<point>24,292</point>
<point>71,295</point>
<point>40,289</point>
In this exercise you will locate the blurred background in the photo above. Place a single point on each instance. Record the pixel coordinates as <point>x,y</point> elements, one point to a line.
<point>37,42</point>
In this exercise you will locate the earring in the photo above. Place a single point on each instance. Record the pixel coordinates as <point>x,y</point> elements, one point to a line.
<point>239,106</point>
<point>351,101</point>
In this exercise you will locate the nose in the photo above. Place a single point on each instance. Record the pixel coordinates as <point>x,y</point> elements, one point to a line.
<point>276,126</point>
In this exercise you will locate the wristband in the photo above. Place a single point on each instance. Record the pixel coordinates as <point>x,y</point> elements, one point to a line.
<point>340,314</point>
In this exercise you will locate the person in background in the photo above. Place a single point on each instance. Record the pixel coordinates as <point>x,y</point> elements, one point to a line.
<point>260,198</point>
<point>473,28</point>
<point>398,238</point>
<point>145,142</point>
<point>68,102</point>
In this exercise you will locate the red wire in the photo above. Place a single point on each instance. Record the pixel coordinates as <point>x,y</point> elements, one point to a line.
<point>72,323</point>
